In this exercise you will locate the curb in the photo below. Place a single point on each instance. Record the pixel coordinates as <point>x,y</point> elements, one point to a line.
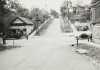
<point>40,27</point>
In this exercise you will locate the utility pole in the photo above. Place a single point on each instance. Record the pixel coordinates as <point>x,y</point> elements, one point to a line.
<point>69,5</point>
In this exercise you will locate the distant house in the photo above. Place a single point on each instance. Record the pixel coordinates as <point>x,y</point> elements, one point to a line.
<point>81,12</point>
<point>13,25</point>
<point>95,8</point>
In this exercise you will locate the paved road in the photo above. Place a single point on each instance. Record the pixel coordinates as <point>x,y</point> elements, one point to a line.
<point>51,51</point>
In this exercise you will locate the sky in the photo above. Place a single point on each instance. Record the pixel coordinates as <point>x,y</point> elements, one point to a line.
<point>49,4</point>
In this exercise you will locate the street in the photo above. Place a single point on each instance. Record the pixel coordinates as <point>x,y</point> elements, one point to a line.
<point>50,51</point>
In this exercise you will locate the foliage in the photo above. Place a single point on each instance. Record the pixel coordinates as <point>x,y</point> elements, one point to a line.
<point>7,6</point>
<point>45,14</point>
<point>54,13</point>
<point>2,3</point>
<point>64,9</point>
<point>3,9</point>
<point>39,15</point>
<point>19,9</point>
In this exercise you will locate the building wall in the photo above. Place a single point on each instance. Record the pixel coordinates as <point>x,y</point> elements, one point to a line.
<point>96,33</point>
<point>93,14</point>
<point>96,28</point>
<point>97,13</point>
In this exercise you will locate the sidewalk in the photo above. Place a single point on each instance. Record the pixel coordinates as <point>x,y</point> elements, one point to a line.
<point>40,27</point>
<point>90,43</point>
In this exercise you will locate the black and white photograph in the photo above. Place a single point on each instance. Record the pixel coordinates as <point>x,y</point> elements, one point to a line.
<point>49,35</point>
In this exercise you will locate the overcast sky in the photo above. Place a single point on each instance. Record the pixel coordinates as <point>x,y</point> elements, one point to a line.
<point>47,4</point>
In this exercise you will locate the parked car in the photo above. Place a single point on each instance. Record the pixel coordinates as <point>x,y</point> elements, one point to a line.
<point>83,31</point>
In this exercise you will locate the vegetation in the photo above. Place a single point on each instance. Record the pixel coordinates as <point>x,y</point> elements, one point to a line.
<point>54,13</point>
<point>38,16</point>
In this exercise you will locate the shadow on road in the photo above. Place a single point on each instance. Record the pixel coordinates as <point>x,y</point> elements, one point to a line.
<point>8,47</point>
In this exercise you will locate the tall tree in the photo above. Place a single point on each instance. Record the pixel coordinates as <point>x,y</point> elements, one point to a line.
<point>67,4</point>
<point>3,9</point>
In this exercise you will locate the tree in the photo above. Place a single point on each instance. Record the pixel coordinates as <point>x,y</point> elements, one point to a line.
<point>66,6</point>
<point>39,14</point>
<point>54,13</point>
<point>2,4</point>
<point>16,7</point>
<point>45,14</point>
<point>3,9</point>
<point>34,12</point>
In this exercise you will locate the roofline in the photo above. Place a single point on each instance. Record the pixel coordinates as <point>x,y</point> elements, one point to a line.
<point>97,4</point>
<point>24,21</point>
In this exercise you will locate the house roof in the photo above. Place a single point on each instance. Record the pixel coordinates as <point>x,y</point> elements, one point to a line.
<point>26,21</point>
<point>95,3</point>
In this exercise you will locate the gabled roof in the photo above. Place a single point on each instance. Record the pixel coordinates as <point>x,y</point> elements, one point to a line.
<point>26,21</point>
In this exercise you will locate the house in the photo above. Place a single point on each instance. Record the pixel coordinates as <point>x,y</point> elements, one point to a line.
<point>95,8</point>
<point>82,11</point>
<point>14,26</point>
